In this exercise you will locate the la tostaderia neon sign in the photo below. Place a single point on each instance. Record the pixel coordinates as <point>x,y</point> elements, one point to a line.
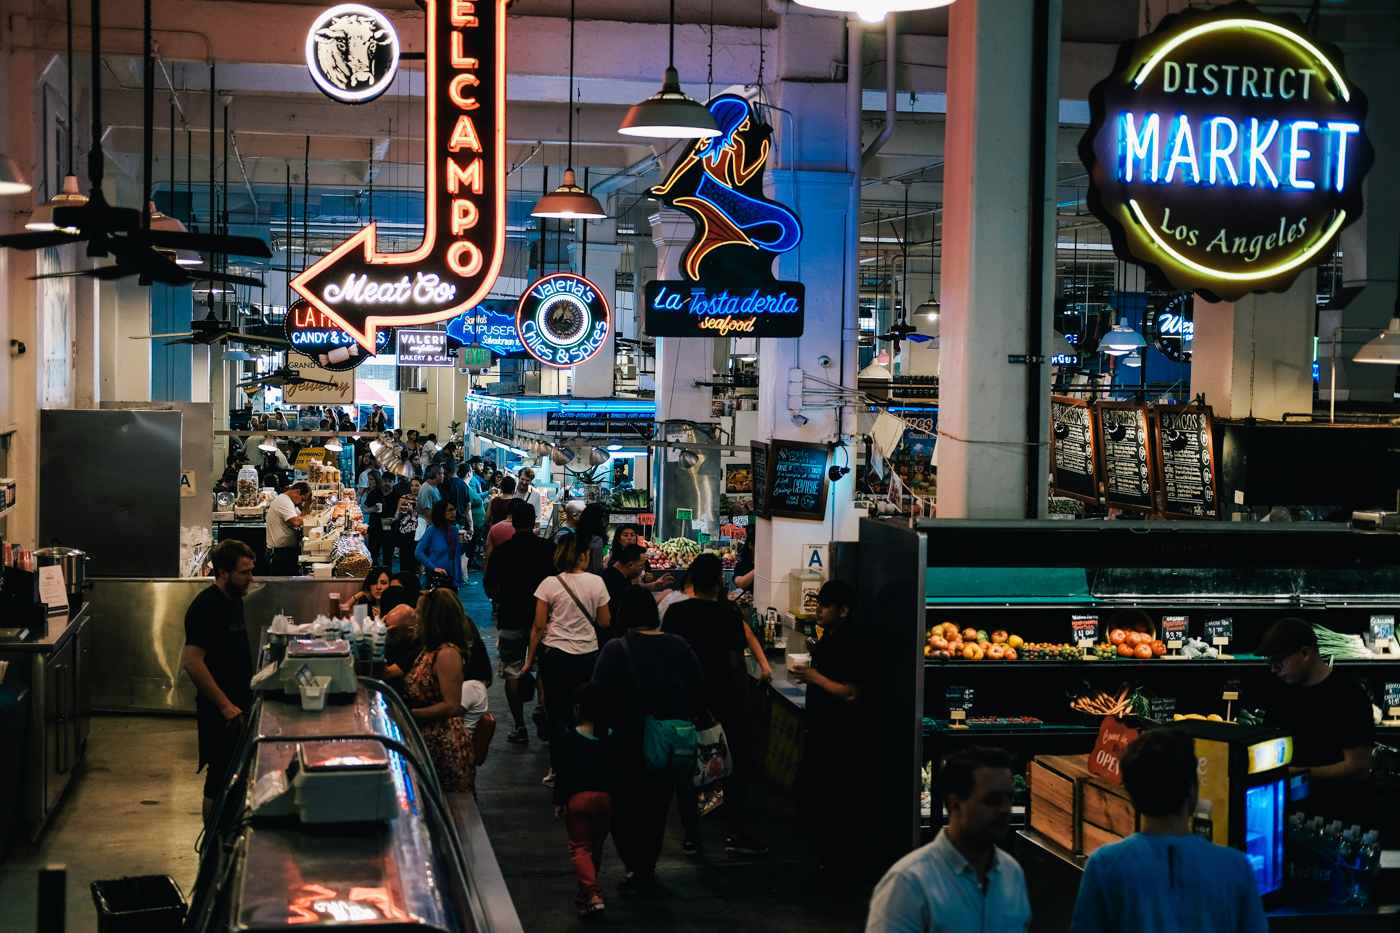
<point>463,244</point>
<point>1226,151</point>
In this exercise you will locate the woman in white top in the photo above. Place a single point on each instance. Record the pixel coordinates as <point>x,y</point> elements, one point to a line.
<point>570,608</point>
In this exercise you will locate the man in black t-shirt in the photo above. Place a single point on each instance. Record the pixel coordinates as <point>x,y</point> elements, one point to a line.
<point>1329,717</point>
<point>626,569</point>
<point>219,660</point>
<point>517,567</point>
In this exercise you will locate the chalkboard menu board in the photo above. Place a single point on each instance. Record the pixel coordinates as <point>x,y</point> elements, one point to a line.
<point>1186,461</point>
<point>759,462</point>
<point>1072,449</point>
<point>1124,467</point>
<point>797,481</point>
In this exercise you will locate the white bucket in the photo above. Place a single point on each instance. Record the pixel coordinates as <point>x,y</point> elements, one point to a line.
<point>314,697</point>
<point>798,660</point>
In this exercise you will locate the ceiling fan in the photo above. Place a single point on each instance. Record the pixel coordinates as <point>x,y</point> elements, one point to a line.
<point>210,330</point>
<point>123,232</point>
<point>899,332</point>
<point>281,378</point>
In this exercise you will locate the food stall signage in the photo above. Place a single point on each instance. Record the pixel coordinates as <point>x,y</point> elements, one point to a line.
<point>959,698</point>
<point>1072,455</point>
<point>1161,708</point>
<point>1106,760</point>
<point>423,348</point>
<point>492,329</point>
<point>1382,627</point>
<point>1084,628</point>
<point>684,515</point>
<point>1227,151</point>
<point>318,338</point>
<point>727,285</point>
<point>464,229</point>
<point>602,423</point>
<point>1174,628</point>
<point>563,320</point>
<point>1392,698</point>
<point>1220,627</point>
<point>1175,329</point>
<point>797,482</point>
<point>352,52</point>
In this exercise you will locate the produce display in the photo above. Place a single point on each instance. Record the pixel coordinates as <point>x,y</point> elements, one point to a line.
<point>679,552</point>
<point>630,498</point>
<point>1336,645</point>
<point>946,641</point>
<point>1102,703</point>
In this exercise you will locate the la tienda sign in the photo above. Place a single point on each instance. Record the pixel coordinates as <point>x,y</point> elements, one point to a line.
<point>361,289</point>
<point>1227,151</point>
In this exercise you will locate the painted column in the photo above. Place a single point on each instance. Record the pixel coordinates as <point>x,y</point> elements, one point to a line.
<point>982,452</point>
<point>594,378</point>
<point>680,361</point>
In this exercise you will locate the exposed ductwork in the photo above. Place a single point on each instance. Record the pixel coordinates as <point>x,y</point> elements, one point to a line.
<point>888,129</point>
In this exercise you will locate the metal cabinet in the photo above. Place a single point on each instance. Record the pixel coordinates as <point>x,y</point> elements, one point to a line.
<point>60,723</point>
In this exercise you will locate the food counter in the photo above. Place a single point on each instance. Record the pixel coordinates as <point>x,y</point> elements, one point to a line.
<point>1046,584</point>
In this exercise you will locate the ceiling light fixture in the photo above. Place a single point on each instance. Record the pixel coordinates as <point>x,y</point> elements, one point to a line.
<point>70,196</point>
<point>873,11</point>
<point>237,356</point>
<point>1384,348</point>
<point>670,113</point>
<point>931,307</point>
<point>569,201</point>
<point>1122,339</point>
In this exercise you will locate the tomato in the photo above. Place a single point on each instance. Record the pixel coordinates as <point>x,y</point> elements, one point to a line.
<point>955,647</point>
<point>1117,636</point>
<point>996,652</point>
<point>984,645</point>
<point>1015,641</point>
<point>1125,651</point>
<point>1143,650</point>
<point>1136,638</point>
<point>969,634</point>
<point>948,630</point>
<point>1159,648</point>
<point>970,652</point>
<point>1010,654</point>
<point>999,637</point>
<point>939,642</point>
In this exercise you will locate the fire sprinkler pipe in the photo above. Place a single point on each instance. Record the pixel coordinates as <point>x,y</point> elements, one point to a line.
<point>850,335</point>
<point>890,61</point>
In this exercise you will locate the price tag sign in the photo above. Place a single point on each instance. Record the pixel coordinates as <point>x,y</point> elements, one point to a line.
<point>1161,708</point>
<point>1232,689</point>
<point>646,518</point>
<point>1084,629</point>
<point>1382,630</point>
<point>741,521</point>
<point>702,538</point>
<point>1175,630</point>
<point>684,515</point>
<point>1220,630</point>
<point>1392,699</point>
<point>959,698</point>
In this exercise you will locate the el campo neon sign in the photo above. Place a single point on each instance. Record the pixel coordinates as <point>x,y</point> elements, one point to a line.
<point>464,230</point>
<point>1227,150</point>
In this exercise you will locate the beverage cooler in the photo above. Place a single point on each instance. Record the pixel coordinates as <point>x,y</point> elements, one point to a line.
<point>1244,790</point>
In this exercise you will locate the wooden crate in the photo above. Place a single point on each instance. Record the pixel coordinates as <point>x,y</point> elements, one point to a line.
<point>1107,806</point>
<point>1055,798</point>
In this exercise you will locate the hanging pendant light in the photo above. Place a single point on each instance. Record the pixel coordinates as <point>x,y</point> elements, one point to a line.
<point>873,11</point>
<point>670,113</point>
<point>70,196</point>
<point>1384,348</point>
<point>1122,339</point>
<point>11,181</point>
<point>1133,359</point>
<point>333,444</point>
<point>237,356</point>
<point>598,456</point>
<point>930,308</point>
<point>569,201</point>
<point>159,221</point>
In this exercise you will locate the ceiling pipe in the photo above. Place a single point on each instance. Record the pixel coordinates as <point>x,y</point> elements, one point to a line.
<point>850,323</point>
<point>890,61</point>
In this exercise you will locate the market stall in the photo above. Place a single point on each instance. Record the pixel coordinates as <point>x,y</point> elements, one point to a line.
<point>1060,604</point>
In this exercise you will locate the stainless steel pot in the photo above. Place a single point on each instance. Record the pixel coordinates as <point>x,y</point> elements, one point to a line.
<point>74,564</point>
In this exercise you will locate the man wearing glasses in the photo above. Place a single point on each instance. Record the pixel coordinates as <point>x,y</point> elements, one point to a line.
<point>1329,717</point>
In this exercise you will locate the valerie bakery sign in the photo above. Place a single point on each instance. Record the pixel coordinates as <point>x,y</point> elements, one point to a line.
<point>361,289</point>
<point>727,286</point>
<point>1226,151</point>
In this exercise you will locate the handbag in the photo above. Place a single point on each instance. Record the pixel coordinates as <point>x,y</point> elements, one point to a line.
<point>713,760</point>
<point>668,745</point>
<point>481,737</point>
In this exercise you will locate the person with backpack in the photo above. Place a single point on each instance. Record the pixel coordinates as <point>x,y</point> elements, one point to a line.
<point>583,798</point>
<point>655,690</point>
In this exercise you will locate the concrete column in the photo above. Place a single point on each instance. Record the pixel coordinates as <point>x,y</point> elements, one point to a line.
<point>982,454</point>
<point>594,378</point>
<point>1253,357</point>
<point>680,361</point>
<point>86,343</point>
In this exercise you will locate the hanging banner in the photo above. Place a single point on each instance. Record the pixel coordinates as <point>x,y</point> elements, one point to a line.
<point>1227,151</point>
<point>563,320</point>
<point>464,230</point>
<point>727,286</point>
<point>316,337</point>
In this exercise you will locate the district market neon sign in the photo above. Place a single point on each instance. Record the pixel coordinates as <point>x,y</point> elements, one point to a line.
<point>563,320</point>
<point>1226,151</point>
<point>463,244</point>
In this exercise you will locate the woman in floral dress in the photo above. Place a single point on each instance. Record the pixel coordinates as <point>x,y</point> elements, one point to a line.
<point>434,689</point>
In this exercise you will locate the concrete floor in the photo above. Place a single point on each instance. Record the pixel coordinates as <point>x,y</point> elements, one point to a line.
<point>133,809</point>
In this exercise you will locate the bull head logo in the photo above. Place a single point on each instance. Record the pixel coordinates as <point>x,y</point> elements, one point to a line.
<point>352,52</point>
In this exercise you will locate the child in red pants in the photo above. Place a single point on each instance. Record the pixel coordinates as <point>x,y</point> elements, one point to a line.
<point>582,796</point>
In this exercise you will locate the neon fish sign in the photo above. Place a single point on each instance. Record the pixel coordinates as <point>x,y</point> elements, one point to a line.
<point>463,244</point>
<point>1226,151</point>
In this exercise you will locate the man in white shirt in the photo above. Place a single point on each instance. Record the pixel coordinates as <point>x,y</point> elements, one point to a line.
<point>961,881</point>
<point>283,520</point>
<point>525,489</point>
<point>428,496</point>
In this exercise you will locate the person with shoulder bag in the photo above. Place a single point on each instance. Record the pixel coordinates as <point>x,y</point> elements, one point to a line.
<point>570,609</point>
<point>655,691</point>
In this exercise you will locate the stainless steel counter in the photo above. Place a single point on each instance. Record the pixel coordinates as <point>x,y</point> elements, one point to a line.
<point>138,633</point>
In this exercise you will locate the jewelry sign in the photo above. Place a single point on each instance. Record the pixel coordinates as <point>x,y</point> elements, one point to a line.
<point>1226,151</point>
<point>463,244</point>
<point>727,285</point>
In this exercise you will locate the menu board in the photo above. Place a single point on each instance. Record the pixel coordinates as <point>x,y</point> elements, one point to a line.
<point>1072,449</point>
<point>1124,468</point>
<point>1186,461</point>
<point>758,460</point>
<point>797,480</point>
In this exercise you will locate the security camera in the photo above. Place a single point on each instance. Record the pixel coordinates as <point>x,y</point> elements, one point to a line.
<point>825,361</point>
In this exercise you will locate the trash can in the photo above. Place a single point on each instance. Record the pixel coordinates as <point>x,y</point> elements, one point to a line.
<point>143,904</point>
<point>14,730</point>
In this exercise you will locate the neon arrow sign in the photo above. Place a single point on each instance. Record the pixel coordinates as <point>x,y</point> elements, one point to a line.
<point>463,244</point>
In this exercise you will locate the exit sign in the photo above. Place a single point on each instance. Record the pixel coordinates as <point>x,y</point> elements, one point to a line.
<point>475,356</point>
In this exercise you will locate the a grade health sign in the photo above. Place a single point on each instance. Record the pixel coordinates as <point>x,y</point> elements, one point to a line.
<point>424,348</point>
<point>1227,151</point>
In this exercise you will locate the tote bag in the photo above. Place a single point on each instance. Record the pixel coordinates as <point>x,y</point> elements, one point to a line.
<point>668,745</point>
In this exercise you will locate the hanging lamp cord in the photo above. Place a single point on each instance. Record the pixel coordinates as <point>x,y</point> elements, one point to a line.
<point>673,33</point>
<point>571,82</point>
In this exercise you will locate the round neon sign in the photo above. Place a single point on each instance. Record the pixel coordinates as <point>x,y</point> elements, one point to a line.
<point>319,339</point>
<point>352,52</point>
<point>563,320</point>
<point>1227,151</point>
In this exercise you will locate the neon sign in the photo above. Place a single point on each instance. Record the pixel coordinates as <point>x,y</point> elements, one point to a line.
<point>1175,329</point>
<point>563,320</point>
<point>423,348</point>
<point>727,285</point>
<point>1226,152</point>
<point>463,244</point>
<point>352,52</point>
<point>489,327</point>
<point>318,338</point>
